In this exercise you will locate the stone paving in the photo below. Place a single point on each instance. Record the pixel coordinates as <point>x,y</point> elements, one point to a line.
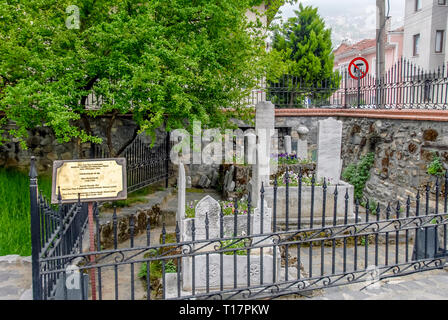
<point>428,285</point>
<point>15,278</point>
<point>425,285</point>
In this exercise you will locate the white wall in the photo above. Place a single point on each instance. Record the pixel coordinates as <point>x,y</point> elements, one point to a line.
<point>425,22</point>
<point>261,9</point>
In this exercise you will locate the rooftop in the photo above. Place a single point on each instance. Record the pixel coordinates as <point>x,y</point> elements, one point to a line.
<point>359,46</point>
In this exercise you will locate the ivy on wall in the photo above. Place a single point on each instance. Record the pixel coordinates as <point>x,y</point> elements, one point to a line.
<point>358,174</point>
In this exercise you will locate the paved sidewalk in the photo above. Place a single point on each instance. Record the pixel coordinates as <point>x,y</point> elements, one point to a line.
<point>15,278</point>
<point>428,285</point>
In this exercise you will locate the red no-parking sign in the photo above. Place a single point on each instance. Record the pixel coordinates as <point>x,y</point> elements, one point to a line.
<point>358,68</point>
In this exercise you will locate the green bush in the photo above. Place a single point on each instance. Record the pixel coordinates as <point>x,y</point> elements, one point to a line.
<point>357,175</point>
<point>372,205</point>
<point>231,244</point>
<point>155,271</point>
<point>435,168</point>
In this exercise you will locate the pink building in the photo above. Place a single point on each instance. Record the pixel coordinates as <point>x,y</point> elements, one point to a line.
<point>349,94</point>
<point>367,49</point>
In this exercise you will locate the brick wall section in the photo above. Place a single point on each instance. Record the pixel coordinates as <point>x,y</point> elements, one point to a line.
<point>403,142</point>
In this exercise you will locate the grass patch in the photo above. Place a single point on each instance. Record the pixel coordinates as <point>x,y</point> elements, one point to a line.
<point>229,244</point>
<point>134,197</point>
<point>15,233</point>
<point>195,190</point>
<point>156,267</point>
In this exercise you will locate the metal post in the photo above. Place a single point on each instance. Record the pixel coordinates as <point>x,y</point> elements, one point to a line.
<point>92,150</point>
<point>35,232</point>
<point>380,45</point>
<point>167,158</point>
<point>359,89</point>
<point>92,248</point>
<point>345,88</point>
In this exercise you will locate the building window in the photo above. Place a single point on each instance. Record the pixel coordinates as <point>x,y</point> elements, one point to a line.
<point>416,44</point>
<point>439,41</point>
<point>442,2</point>
<point>418,5</point>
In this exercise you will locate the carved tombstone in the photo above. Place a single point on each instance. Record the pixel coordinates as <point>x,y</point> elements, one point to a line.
<point>329,141</point>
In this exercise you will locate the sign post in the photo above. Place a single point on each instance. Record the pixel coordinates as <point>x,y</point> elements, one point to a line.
<point>358,69</point>
<point>89,181</point>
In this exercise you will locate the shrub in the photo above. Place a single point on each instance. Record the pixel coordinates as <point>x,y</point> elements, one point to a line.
<point>436,168</point>
<point>230,244</point>
<point>357,175</point>
<point>372,205</point>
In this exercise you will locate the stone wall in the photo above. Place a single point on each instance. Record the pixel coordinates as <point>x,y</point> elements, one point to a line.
<point>43,145</point>
<point>403,149</point>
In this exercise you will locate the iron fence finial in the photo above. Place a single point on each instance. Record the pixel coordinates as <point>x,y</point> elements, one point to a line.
<point>33,170</point>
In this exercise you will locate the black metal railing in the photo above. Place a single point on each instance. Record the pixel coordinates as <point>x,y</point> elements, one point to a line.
<point>145,164</point>
<point>404,86</point>
<point>55,231</point>
<point>306,247</point>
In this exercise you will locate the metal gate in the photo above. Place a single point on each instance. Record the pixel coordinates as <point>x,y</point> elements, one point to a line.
<point>145,164</point>
<point>310,244</point>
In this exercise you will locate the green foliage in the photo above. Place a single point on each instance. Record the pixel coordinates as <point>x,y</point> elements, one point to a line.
<point>357,175</point>
<point>15,236</point>
<point>158,60</point>
<point>194,190</point>
<point>123,203</point>
<point>155,271</point>
<point>135,197</point>
<point>231,244</point>
<point>372,205</point>
<point>228,208</point>
<point>436,168</point>
<point>284,158</point>
<point>293,180</point>
<point>306,43</point>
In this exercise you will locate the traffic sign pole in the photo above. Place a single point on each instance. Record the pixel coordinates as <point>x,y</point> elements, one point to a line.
<point>355,71</point>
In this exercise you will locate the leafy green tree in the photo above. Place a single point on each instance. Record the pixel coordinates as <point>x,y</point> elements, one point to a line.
<point>306,43</point>
<point>162,61</point>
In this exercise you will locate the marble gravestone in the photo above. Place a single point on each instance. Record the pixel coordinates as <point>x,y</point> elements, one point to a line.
<point>207,269</point>
<point>181,186</point>
<point>329,139</point>
<point>302,143</point>
<point>250,145</point>
<point>265,129</point>
<point>287,142</point>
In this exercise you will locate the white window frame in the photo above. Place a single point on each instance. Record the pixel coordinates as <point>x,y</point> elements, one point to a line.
<point>441,41</point>
<point>418,5</point>
<point>416,45</point>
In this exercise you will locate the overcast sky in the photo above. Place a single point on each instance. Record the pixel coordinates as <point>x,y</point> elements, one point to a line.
<point>352,19</point>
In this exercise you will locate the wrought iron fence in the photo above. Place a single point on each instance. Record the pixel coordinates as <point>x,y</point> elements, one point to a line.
<point>55,231</point>
<point>404,86</point>
<point>145,164</point>
<point>269,252</point>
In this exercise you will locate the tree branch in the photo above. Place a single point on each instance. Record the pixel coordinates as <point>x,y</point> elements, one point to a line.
<point>109,132</point>
<point>134,135</point>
